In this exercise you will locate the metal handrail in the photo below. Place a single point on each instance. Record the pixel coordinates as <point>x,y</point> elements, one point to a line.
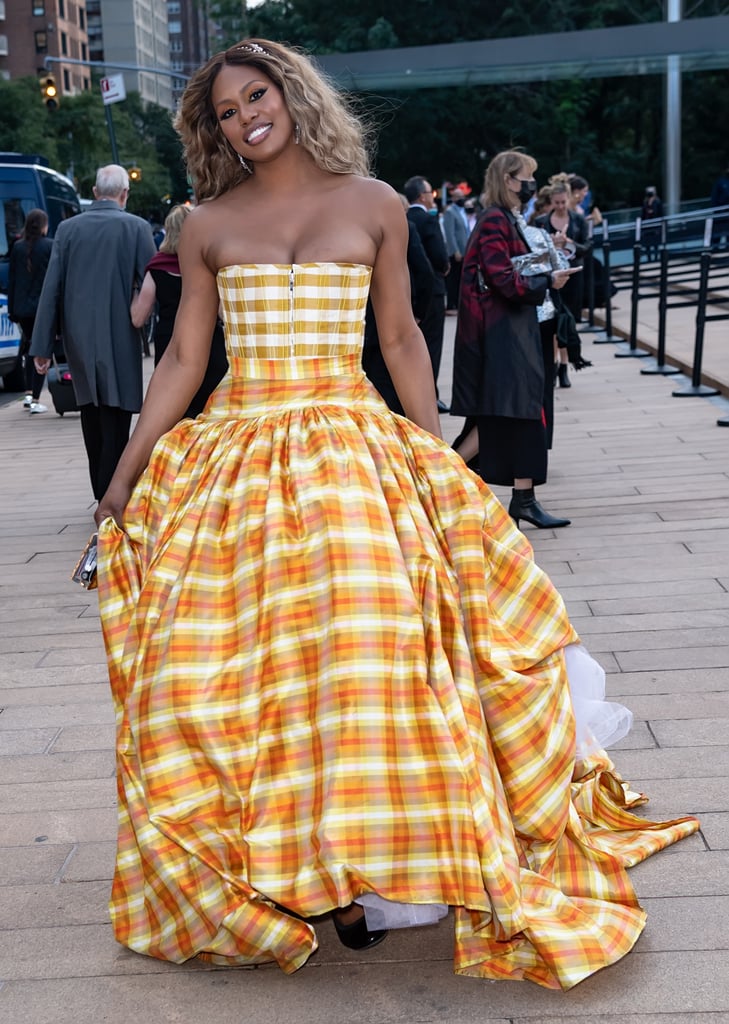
<point>685,217</point>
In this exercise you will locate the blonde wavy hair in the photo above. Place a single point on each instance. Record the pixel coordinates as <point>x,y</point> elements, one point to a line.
<point>329,131</point>
<point>173,226</point>
<point>559,183</point>
<point>511,161</point>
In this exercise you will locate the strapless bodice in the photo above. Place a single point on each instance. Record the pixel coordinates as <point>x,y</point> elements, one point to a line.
<point>295,314</point>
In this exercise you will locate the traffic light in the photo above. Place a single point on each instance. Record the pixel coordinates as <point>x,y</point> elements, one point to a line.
<point>49,91</point>
<point>135,173</point>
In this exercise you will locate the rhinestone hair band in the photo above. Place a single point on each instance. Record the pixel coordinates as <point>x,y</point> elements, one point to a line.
<point>253,48</point>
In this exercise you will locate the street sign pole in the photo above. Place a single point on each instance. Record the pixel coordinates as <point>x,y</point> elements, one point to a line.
<point>112,136</point>
<point>112,91</point>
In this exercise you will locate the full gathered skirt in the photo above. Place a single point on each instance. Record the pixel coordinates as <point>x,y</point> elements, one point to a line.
<point>336,671</point>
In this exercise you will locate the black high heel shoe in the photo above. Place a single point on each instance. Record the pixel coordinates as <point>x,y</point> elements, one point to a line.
<point>356,935</point>
<point>524,505</point>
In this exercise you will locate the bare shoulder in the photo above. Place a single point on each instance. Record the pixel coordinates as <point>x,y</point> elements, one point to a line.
<point>205,225</point>
<point>377,193</point>
<point>201,216</point>
<point>380,207</point>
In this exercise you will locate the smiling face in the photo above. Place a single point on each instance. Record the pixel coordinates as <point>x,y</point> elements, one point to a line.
<point>251,112</point>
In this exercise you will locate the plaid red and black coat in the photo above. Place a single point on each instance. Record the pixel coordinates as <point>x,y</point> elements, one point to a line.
<point>498,368</point>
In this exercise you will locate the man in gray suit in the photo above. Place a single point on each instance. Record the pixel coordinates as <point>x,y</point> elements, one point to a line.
<point>456,230</point>
<point>98,260</point>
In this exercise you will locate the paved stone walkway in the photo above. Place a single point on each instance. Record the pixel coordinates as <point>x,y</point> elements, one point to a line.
<point>645,572</point>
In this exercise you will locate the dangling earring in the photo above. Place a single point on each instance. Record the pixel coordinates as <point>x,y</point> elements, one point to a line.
<point>297,133</point>
<point>245,165</point>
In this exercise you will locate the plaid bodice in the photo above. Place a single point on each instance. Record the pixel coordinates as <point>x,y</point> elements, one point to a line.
<point>293,321</point>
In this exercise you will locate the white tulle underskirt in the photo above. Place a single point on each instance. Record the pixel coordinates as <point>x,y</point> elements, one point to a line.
<point>599,724</point>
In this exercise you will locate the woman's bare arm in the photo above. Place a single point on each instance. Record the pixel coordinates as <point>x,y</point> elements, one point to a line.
<point>402,343</point>
<point>177,376</point>
<point>143,302</point>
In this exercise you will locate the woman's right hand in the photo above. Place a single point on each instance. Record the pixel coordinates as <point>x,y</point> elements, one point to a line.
<point>561,277</point>
<point>113,504</point>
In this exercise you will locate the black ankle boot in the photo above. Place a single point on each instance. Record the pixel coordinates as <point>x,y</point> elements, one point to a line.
<point>564,381</point>
<point>524,505</point>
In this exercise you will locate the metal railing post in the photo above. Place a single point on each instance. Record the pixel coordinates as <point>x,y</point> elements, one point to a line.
<point>589,290</point>
<point>696,387</point>
<point>632,349</point>
<point>661,366</point>
<point>607,288</point>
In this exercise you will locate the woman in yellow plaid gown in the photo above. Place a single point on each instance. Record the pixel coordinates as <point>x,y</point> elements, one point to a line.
<point>337,671</point>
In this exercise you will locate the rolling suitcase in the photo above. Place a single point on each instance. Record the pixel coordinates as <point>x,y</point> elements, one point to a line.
<point>61,388</point>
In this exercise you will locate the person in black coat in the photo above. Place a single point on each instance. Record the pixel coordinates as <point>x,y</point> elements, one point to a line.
<point>422,214</point>
<point>651,209</point>
<point>29,259</point>
<point>421,289</point>
<point>498,371</point>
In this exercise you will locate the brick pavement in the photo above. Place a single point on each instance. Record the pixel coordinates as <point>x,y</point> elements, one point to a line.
<point>645,572</point>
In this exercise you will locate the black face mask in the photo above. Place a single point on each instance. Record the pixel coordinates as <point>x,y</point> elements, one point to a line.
<point>460,202</point>
<point>526,191</point>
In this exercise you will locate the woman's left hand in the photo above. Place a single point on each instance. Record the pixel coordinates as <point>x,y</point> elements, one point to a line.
<point>113,504</point>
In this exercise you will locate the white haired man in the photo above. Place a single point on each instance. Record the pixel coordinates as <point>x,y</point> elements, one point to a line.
<point>98,260</point>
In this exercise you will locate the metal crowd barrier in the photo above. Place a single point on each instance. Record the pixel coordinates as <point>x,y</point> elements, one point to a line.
<point>607,287</point>
<point>682,277</point>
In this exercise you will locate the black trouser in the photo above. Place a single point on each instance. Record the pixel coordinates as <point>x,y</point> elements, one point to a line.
<point>33,379</point>
<point>432,326</point>
<point>453,282</point>
<point>106,432</point>
<point>547,329</point>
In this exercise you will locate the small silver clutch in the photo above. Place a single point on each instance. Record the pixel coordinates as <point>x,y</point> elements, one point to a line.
<point>85,571</point>
<point>531,263</point>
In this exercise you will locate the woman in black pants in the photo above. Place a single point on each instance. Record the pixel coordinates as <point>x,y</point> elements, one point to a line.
<point>28,264</point>
<point>570,234</point>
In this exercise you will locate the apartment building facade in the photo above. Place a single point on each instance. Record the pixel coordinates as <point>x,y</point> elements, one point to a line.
<point>158,37</point>
<point>31,30</point>
<point>133,32</point>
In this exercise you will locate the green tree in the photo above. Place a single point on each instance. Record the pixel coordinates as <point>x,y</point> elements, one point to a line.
<point>327,25</point>
<point>610,130</point>
<point>382,36</point>
<point>148,128</point>
<point>230,17</point>
<point>25,124</point>
<point>75,140</point>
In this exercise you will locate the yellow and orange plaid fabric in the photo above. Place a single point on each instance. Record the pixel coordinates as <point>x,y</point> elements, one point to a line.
<point>337,670</point>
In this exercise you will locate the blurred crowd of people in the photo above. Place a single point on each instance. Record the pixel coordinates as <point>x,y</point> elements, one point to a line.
<point>508,265</point>
<point>557,219</point>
